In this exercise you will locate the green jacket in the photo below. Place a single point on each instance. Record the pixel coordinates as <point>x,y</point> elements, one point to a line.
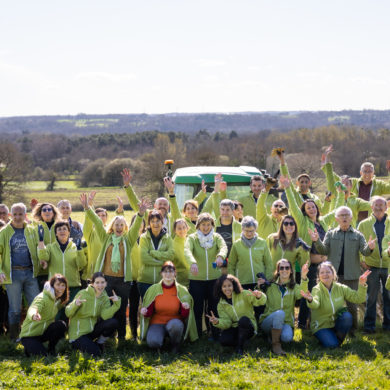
<point>68,263</point>
<point>355,244</point>
<point>304,222</point>
<point>180,261</point>
<point>47,306</point>
<point>250,204</point>
<point>130,240</point>
<point>83,318</point>
<point>31,234</point>
<point>135,261</point>
<point>236,229</point>
<point>275,301</point>
<point>242,305</point>
<point>386,257</point>
<point>203,257</point>
<point>183,295</point>
<point>297,255</point>
<point>245,263</point>
<point>367,228</point>
<point>353,202</point>
<point>297,194</point>
<point>152,259</point>
<point>326,304</point>
<point>94,246</point>
<point>267,223</point>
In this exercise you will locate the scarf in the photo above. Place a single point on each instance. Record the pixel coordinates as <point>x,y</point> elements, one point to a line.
<point>116,254</point>
<point>248,243</point>
<point>206,241</point>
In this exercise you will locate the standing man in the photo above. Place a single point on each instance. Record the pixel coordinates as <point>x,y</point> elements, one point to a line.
<point>18,264</point>
<point>343,246</point>
<point>378,223</point>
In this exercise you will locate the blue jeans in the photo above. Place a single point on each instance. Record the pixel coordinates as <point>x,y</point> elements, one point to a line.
<point>23,281</point>
<point>332,338</point>
<point>276,321</point>
<point>156,333</point>
<point>377,277</point>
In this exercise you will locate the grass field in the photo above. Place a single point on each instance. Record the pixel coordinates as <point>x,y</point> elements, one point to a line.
<point>361,363</point>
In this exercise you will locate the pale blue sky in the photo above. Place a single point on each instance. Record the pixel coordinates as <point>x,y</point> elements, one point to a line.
<point>97,57</point>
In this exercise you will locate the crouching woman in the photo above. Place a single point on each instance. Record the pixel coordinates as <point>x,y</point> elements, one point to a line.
<point>236,313</point>
<point>90,315</point>
<point>330,319</point>
<point>40,325</point>
<point>167,310</point>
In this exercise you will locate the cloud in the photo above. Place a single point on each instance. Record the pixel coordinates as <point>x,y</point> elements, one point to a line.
<point>210,63</point>
<point>105,76</point>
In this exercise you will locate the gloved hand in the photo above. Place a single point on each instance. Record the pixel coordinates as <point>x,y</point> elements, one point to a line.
<point>41,232</point>
<point>223,265</point>
<point>78,244</point>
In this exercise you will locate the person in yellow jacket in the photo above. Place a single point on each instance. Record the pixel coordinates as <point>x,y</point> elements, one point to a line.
<point>282,293</point>
<point>114,259</point>
<point>236,317</point>
<point>180,228</point>
<point>206,251</point>
<point>63,257</point>
<point>331,321</point>
<point>39,325</point>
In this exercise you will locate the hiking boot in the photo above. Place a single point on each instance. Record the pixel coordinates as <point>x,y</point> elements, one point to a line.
<point>276,345</point>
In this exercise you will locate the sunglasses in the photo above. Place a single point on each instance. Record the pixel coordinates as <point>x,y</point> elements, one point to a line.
<point>47,209</point>
<point>278,205</point>
<point>282,268</point>
<point>286,223</point>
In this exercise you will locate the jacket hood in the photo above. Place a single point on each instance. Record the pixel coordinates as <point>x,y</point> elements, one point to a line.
<point>49,290</point>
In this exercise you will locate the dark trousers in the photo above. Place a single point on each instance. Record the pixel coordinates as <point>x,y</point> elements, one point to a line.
<point>3,310</point>
<point>236,337</point>
<point>142,288</point>
<point>133,310</point>
<point>304,311</point>
<point>42,279</point>
<point>122,289</point>
<point>202,292</point>
<point>53,334</point>
<point>259,310</point>
<point>87,344</point>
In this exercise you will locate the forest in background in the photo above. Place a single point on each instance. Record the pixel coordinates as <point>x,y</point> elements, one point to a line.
<point>96,160</point>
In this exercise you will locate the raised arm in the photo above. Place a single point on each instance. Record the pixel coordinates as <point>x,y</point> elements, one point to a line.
<point>131,195</point>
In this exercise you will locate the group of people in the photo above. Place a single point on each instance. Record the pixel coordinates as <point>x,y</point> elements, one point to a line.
<point>238,268</point>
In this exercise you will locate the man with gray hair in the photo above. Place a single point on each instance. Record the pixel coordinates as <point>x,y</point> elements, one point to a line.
<point>343,246</point>
<point>18,264</point>
<point>4,213</point>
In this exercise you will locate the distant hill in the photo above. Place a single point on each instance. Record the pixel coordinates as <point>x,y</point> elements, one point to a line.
<point>247,122</point>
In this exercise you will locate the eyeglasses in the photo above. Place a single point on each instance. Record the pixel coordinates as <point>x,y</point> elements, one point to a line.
<point>287,223</point>
<point>47,209</point>
<point>169,270</point>
<point>286,268</point>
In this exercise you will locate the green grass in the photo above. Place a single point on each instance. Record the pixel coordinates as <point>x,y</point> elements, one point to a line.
<point>362,362</point>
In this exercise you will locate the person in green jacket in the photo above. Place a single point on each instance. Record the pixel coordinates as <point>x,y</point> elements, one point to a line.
<point>180,228</point>
<point>19,264</point>
<point>46,215</point>
<point>282,293</point>
<point>167,311</point>
<point>63,256</point>
<point>236,317</point>
<point>206,251</point>
<point>114,259</point>
<point>39,325</point>
<point>90,315</point>
<point>286,244</point>
<point>331,321</point>
<point>308,216</point>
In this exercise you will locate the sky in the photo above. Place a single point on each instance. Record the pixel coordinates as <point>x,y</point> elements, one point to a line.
<point>164,56</point>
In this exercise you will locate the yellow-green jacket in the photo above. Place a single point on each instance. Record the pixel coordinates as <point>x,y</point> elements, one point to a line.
<point>249,203</point>
<point>242,305</point>
<point>245,263</point>
<point>275,301</point>
<point>203,257</point>
<point>31,234</point>
<point>367,228</point>
<point>153,259</point>
<point>267,223</point>
<point>326,304</point>
<point>184,296</point>
<point>181,264</point>
<point>47,306</point>
<point>83,318</point>
<point>68,263</point>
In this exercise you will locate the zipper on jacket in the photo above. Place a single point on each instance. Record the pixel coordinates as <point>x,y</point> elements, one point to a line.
<point>207,264</point>
<point>330,297</point>
<point>63,263</point>
<point>78,327</point>
<point>380,256</point>
<point>250,258</point>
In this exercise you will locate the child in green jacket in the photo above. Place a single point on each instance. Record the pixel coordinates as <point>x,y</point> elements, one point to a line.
<point>86,333</point>
<point>330,320</point>
<point>39,325</point>
<point>236,316</point>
